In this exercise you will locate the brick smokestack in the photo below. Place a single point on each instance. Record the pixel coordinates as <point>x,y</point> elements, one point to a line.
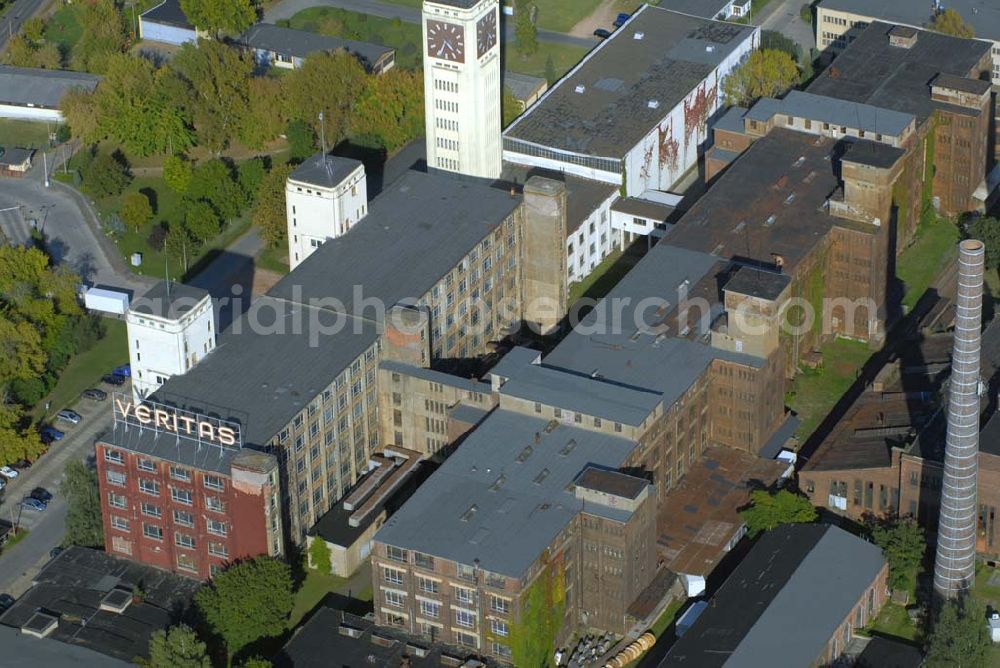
<point>955,561</point>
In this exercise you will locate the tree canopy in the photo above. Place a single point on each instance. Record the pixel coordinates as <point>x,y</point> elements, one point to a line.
<point>319,555</point>
<point>950,22</point>
<point>902,543</point>
<point>217,16</point>
<point>767,511</point>
<point>248,601</point>
<point>177,647</point>
<point>987,230</point>
<point>84,525</point>
<point>959,638</point>
<point>390,110</point>
<point>766,73</point>
<point>525,31</point>
<point>269,214</point>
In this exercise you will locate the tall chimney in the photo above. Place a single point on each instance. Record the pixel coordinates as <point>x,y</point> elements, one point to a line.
<point>955,561</point>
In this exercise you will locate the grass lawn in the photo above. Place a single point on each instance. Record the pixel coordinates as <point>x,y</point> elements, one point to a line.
<point>934,246</point>
<point>86,369</point>
<point>274,259</point>
<point>29,134</point>
<point>605,275</point>
<point>554,15</point>
<point>64,28</point>
<point>893,621</point>
<point>14,540</point>
<point>815,391</point>
<point>563,56</point>
<point>990,594</point>
<point>312,591</point>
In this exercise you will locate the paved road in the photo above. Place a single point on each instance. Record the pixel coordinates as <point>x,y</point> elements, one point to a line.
<point>784,17</point>
<point>21,562</point>
<point>15,16</point>
<point>286,9</point>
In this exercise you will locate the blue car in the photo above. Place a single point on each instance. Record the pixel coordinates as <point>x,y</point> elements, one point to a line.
<point>34,504</point>
<point>621,19</point>
<point>50,434</point>
<point>124,370</point>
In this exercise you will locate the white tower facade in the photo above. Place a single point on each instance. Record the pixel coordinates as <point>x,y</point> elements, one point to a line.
<point>170,329</point>
<point>324,198</point>
<point>462,86</point>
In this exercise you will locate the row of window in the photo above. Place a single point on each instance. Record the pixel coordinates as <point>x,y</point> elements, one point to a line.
<point>152,488</point>
<point>176,472</point>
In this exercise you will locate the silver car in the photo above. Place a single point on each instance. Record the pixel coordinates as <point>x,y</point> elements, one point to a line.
<point>69,416</point>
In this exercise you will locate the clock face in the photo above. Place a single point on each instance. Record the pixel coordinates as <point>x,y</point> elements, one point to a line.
<point>445,41</point>
<point>486,33</point>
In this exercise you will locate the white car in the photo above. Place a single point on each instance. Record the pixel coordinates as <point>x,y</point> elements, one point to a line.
<point>8,472</point>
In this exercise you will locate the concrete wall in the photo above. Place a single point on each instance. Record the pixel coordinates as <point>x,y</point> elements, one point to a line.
<point>160,348</point>
<point>544,289</point>
<point>158,32</point>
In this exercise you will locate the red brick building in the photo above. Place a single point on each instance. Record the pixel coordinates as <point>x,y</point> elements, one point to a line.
<point>175,502</point>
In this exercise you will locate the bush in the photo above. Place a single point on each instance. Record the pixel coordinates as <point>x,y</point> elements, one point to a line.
<point>157,237</point>
<point>28,391</point>
<point>106,175</point>
<point>806,13</point>
<point>63,133</point>
<point>301,140</point>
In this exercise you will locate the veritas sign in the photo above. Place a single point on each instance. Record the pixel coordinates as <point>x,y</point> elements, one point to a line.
<point>167,419</point>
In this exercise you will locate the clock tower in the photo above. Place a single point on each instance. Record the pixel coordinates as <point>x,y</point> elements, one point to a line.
<point>462,86</point>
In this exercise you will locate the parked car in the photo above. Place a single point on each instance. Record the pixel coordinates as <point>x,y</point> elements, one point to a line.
<point>94,394</point>
<point>69,416</point>
<point>123,370</point>
<point>50,434</point>
<point>55,552</point>
<point>6,600</point>
<point>8,472</point>
<point>113,379</point>
<point>602,33</point>
<point>621,19</point>
<point>3,483</point>
<point>33,504</point>
<point>41,494</point>
<point>21,464</point>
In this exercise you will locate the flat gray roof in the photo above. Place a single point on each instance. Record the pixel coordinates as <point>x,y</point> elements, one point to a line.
<point>34,87</point>
<point>23,651</point>
<point>467,384</point>
<point>583,196</point>
<point>732,120</point>
<point>621,75</point>
<point>834,111</point>
<point>168,12</point>
<point>523,86</point>
<point>644,208</point>
<point>415,232</point>
<point>300,43</point>
<point>324,173</point>
<point>168,300</point>
<point>757,282</point>
<point>169,447</point>
<point>982,15</point>
<point>269,365</point>
<point>502,497</point>
<point>796,572</point>
<point>874,72</point>
<point>581,394</point>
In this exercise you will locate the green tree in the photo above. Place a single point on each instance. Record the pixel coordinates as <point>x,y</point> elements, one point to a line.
<point>951,22</point>
<point>106,175</point>
<point>48,56</point>
<point>217,16</point>
<point>201,221</point>
<point>269,214</point>
<point>510,107</point>
<point>766,73</point>
<point>902,543</point>
<point>327,84</point>
<point>301,140</point>
<point>19,439</point>
<point>249,175</point>
<point>84,525</point>
<point>80,109</point>
<point>214,182</point>
<point>959,638</point>
<point>772,39</point>
<point>248,601</point>
<point>102,34</point>
<point>768,511</point>
<point>177,647</point>
<point>987,230</point>
<point>525,31</point>
<point>257,662</point>
<point>319,555</point>
<point>391,108</point>
<point>32,29</point>
<point>218,80</point>
<point>136,210</point>
<point>20,52</point>
<point>177,173</point>
<point>263,119</point>
<point>179,245</point>
<point>550,70</point>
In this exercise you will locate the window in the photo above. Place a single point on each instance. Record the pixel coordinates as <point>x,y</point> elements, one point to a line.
<point>499,627</point>
<point>215,504</point>
<point>396,554</point>
<point>184,540</point>
<point>177,473</point>
<point>465,618</point>
<point>430,609</point>
<point>116,478</point>
<point>498,604</point>
<point>186,562</point>
<point>152,531</point>
<point>150,487</point>
<point>113,456</point>
<point>394,598</point>
<point>116,500</point>
<point>146,465</point>
<point>216,527</point>
<point>466,639</point>
<point>183,518</point>
<point>120,544</point>
<point>151,510</point>
<point>218,549</point>
<point>428,586</point>
<point>500,649</point>
<point>423,560</point>
<point>119,523</point>
<point>213,482</point>
<point>393,576</point>
<point>395,620</point>
<point>181,496</point>
<point>463,595</point>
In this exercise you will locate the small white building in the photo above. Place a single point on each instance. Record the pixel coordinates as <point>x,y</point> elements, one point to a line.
<point>34,94</point>
<point>324,198</point>
<point>167,23</point>
<point>710,9</point>
<point>286,48</point>
<point>170,328</point>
